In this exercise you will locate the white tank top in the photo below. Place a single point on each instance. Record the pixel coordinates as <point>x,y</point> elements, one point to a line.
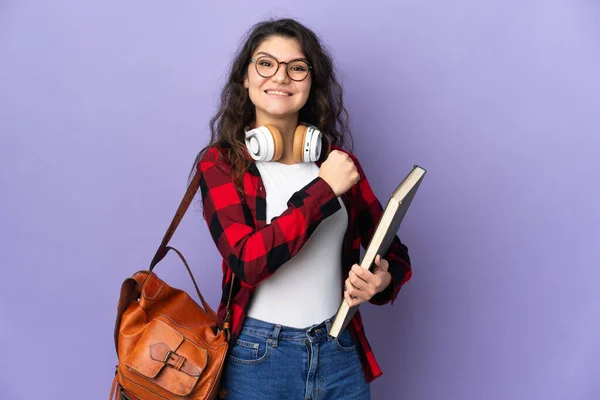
<point>307,289</point>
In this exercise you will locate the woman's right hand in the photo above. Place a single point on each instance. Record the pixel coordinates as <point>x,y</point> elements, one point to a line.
<point>339,172</point>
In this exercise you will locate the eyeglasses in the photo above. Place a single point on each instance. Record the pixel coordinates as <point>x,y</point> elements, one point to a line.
<point>266,66</point>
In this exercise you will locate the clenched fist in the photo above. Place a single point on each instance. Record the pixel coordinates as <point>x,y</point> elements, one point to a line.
<point>339,172</point>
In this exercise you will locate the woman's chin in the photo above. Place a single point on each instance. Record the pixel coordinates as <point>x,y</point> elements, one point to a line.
<point>279,113</point>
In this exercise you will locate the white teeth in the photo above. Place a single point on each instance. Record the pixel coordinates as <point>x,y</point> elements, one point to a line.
<point>279,93</point>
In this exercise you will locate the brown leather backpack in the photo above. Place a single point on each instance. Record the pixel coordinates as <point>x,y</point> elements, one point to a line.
<point>168,346</point>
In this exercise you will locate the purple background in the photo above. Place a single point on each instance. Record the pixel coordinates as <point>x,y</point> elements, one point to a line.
<point>104,106</point>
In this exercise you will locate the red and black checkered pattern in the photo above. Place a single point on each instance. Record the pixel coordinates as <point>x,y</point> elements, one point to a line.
<point>253,250</point>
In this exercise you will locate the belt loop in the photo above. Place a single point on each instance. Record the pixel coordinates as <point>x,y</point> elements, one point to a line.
<point>275,338</point>
<point>328,327</point>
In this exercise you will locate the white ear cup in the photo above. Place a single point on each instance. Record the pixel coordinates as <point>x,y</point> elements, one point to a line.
<point>312,144</point>
<point>259,142</point>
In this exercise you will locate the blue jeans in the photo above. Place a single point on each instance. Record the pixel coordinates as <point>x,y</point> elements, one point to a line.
<point>276,362</point>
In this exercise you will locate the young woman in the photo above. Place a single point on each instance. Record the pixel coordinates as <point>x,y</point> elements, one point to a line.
<point>288,209</point>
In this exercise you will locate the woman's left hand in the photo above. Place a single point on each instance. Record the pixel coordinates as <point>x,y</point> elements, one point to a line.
<point>363,284</point>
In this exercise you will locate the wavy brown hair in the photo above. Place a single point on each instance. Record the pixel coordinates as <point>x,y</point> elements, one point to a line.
<point>324,107</point>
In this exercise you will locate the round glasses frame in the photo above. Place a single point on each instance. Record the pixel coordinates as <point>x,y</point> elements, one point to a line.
<point>255,61</point>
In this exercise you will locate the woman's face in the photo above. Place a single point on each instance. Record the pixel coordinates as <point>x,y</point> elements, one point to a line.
<point>277,96</point>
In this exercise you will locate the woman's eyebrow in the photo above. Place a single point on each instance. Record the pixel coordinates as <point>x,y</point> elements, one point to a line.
<point>271,55</point>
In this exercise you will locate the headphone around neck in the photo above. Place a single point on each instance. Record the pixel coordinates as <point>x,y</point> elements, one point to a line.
<point>265,143</point>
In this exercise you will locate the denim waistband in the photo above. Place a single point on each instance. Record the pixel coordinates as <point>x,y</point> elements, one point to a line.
<point>260,328</point>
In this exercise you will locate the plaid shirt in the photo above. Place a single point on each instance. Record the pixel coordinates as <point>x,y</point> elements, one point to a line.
<point>253,250</point>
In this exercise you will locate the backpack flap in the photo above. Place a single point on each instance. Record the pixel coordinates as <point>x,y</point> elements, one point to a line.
<point>165,357</point>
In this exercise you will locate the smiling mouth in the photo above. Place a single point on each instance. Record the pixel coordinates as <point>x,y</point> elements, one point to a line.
<point>278,93</point>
